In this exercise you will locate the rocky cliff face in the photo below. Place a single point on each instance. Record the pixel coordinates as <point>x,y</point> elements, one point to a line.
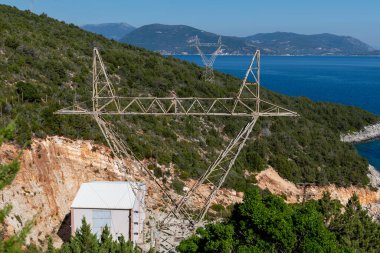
<point>52,170</point>
<point>374,176</point>
<point>50,174</point>
<point>271,180</point>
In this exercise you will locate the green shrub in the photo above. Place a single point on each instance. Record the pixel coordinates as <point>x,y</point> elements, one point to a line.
<point>12,42</point>
<point>28,92</point>
<point>7,133</point>
<point>287,168</point>
<point>157,172</point>
<point>254,161</point>
<point>8,173</point>
<point>218,208</point>
<point>177,185</point>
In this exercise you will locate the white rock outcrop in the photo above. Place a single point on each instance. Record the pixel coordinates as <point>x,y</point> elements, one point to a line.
<point>367,133</point>
<point>374,177</point>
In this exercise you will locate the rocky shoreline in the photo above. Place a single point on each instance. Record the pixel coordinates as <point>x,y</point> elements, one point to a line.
<point>374,177</point>
<point>366,134</point>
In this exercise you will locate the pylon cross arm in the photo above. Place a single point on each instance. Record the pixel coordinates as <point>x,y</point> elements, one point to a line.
<point>243,107</point>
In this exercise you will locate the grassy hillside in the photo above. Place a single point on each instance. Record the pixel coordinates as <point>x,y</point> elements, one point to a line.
<point>44,63</point>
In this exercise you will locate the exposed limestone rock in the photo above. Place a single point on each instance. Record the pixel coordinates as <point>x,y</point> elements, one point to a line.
<point>52,170</point>
<point>224,196</point>
<point>368,133</point>
<point>50,174</point>
<point>271,180</point>
<point>374,208</point>
<point>374,176</point>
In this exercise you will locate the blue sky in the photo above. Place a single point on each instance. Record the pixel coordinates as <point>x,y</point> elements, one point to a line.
<point>358,18</point>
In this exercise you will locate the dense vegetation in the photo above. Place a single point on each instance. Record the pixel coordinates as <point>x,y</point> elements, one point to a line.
<point>265,223</point>
<point>46,64</point>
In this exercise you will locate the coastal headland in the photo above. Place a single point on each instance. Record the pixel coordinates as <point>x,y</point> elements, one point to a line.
<point>368,133</point>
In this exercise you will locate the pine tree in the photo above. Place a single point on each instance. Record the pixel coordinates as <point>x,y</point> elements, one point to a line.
<point>123,246</point>
<point>355,229</point>
<point>328,207</point>
<point>65,248</point>
<point>50,248</point>
<point>85,239</point>
<point>107,245</point>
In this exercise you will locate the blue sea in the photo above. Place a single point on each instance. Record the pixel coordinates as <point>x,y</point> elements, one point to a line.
<point>345,80</point>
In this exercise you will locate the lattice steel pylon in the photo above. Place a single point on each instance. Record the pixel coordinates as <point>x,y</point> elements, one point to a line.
<point>208,74</point>
<point>181,214</point>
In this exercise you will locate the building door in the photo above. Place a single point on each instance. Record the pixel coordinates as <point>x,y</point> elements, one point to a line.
<point>101,219</point>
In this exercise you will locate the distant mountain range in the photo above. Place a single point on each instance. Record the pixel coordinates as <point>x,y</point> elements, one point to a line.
<point>176,39</point>
<point>110,30</point>
<point>299,44</point>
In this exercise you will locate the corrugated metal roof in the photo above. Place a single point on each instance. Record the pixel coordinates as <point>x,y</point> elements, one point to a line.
<point>105,195</point>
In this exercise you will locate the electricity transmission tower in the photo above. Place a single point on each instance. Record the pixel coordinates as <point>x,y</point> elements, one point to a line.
<point>208,61</point>
<point>181,215</point>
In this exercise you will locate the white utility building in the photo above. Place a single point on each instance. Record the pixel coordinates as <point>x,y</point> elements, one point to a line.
<point>113,204</point>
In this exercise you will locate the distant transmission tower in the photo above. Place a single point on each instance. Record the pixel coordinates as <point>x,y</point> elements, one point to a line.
<point>31,5</point>
<point>208,74</point>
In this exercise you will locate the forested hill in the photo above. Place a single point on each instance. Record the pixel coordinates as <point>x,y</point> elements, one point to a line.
<point>44,63</point>
<point>176,39</point>
<point>316,44</point>
<point>110,30</point>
